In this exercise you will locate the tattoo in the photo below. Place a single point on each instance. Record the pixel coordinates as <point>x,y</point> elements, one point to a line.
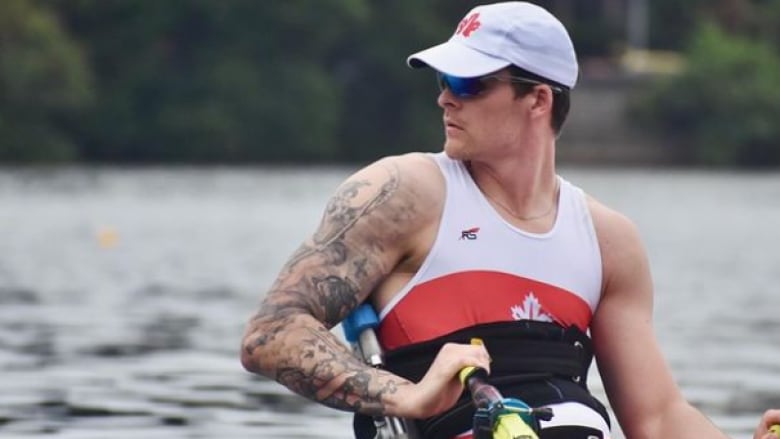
<point>360,269</point>
<point>337,380</point>
<point>337,297</point>
<point>324,279</point>
<point>340,216</point>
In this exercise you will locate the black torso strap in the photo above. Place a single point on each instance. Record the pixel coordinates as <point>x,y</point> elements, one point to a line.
<point>540,363</point>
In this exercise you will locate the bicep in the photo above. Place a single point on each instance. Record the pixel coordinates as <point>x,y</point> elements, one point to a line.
<point>635,375</point>
<point>356,243</point>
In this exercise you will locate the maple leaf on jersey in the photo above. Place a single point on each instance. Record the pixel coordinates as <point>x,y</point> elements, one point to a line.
<point>530,309</point>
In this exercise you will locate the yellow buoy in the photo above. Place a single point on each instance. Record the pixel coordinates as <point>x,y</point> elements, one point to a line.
<point>107,237</point>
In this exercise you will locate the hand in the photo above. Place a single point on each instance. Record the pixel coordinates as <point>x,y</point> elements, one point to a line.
<point>771,417</point>
<point>440,388</point>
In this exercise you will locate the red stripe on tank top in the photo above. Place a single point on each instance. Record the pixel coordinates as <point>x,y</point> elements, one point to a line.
<point>459,300</point>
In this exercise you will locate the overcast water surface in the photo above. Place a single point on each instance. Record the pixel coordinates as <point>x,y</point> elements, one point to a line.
<point>123,294</point>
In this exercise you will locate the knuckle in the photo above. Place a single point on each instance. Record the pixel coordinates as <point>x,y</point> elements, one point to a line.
<point>446,348</point>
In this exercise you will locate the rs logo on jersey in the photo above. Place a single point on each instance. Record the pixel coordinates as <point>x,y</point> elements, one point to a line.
<point>470,234</point>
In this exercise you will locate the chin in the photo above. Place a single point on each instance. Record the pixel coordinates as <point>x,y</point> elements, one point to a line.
<point>455,150</point>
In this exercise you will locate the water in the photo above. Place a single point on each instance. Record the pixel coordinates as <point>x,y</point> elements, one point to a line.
<point>124,293</point>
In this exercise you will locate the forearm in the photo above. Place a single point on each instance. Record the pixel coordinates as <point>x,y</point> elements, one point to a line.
<point>308,359</point>
<point>681,420</point>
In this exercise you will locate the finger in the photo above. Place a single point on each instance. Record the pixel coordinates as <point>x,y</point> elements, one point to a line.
<point>485,359</point>
<point>771,421</point>
<point>475,356</point>
<point>768,426</point>
<point>453,357</point>
<point>481,357</point>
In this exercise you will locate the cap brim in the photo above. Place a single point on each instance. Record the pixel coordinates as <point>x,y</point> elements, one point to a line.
<point>456,59</point>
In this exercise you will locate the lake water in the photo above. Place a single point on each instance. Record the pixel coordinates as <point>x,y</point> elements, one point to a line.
<point>124,293</point>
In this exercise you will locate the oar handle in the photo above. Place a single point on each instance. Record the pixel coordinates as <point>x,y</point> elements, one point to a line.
<point>483,394</point>
<point>494,418</point>
<point>475,379</point>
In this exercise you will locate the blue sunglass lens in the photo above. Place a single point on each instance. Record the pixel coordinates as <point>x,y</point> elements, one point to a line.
<point>461,87</point>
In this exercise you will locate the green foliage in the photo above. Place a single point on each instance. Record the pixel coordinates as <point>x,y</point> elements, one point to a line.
<point>768,22</point>
<point>198,80</point>
<point>44,83</point>
<point>240,81</point>
<point>389,108</point>
<point>673,24</point>
<point>723,109</point>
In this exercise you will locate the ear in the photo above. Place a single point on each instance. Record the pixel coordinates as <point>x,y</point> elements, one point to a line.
<point>543,101</point>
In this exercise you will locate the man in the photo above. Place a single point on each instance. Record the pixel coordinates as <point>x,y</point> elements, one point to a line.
<point>484,239</point>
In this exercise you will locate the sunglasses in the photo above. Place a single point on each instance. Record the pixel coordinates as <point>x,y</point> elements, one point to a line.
<point>465,88</point>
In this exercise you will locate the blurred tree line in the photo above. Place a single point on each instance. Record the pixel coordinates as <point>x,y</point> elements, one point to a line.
<point>238,81</point>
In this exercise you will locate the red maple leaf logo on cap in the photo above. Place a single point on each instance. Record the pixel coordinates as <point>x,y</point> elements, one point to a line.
<point>468,25</point>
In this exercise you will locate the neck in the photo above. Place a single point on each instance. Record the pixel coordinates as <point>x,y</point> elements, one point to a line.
<point>523,187</point>
<point>553,203</point>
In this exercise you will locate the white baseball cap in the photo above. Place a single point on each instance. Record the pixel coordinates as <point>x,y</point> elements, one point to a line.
<point>492,37</point>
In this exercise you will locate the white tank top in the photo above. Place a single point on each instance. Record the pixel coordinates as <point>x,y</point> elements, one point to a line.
<point>482,269</point>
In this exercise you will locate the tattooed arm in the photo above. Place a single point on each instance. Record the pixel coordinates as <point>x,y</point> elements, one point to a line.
<point>367,229</point>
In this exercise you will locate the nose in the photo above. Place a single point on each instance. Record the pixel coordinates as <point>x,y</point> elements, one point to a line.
<point>446,99</point>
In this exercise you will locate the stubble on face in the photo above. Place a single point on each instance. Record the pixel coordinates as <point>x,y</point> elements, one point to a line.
<point>455,150</point>
<point>486,130</point>
<point>457,143</point>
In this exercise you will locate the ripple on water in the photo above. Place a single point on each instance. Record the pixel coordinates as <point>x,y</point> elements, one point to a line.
<point>159,332</point>
<point>18,296</point>
<point>753,400</point>
<point>26,343</point>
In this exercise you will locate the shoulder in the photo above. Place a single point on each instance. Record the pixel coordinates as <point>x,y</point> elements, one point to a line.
<point>611,226</point>
<point>415,169</point>
<point>622,251</point>
<point>402,184</point>
<point>388,200</point>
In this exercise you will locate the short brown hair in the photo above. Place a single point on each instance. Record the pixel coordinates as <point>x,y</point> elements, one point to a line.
<point>561,97</point>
